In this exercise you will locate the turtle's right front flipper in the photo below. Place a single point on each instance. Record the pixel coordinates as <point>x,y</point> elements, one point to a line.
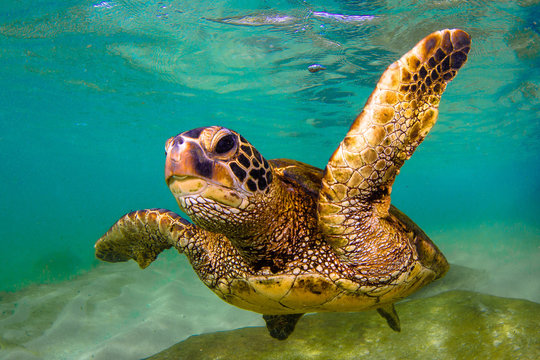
<point>141,235</point>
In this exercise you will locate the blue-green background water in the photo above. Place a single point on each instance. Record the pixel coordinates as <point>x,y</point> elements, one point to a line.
<point>91,90</point>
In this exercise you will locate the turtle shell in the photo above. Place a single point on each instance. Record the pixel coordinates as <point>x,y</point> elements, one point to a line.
<point>291,294</point>
<point>304,175</point>
<point>311,291</point>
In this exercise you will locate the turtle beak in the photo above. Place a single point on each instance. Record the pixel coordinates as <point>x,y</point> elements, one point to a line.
<point>186,159</point>
<point>188,169</point>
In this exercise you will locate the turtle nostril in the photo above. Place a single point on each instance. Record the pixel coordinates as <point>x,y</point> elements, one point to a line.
<point>172,142</point>
<point>175,152</point>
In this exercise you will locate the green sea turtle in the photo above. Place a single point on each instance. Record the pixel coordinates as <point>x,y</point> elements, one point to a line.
<point>283,238</point>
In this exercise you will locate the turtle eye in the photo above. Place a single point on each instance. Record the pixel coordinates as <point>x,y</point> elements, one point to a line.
<point>225,144</point>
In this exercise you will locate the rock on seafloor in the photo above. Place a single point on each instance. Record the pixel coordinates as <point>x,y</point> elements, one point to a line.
<point>451,325</point>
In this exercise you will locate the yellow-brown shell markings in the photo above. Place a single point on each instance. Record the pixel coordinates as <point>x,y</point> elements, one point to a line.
<point>313,292</point>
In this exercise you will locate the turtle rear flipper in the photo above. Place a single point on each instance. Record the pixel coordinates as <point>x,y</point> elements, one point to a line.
<point>281,326</point>
<point>358,179</point>
<point>142,235</point>
<point>388,312</point>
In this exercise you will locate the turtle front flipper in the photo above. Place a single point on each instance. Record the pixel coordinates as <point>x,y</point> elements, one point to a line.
<point>142,235</point>
<point>398,115</point>
<point>281,326</point>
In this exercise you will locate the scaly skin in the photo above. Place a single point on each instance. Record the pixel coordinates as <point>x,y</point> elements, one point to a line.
<point>142,235</point>
<point>355,195</point>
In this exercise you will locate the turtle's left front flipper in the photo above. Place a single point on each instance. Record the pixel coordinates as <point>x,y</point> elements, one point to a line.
<point>141,235</point>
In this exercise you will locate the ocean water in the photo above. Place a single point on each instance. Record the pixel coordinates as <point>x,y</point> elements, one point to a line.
<point>91,90</point>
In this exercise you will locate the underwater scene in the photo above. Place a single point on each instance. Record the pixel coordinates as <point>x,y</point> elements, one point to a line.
<point>92,90</point>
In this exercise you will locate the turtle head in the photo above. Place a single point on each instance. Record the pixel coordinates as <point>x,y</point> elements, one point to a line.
<point>216,176</point>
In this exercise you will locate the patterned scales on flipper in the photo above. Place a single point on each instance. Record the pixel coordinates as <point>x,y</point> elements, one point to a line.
<point>356,186</point>
<point>142,235</point>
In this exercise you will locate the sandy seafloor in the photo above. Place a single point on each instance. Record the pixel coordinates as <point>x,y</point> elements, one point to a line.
<point>117,311</point>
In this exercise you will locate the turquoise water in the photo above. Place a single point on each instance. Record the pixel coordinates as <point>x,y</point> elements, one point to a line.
<point>91,90</point>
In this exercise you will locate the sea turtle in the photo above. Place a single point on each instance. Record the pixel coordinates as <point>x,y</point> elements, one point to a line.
<point>283,238</point>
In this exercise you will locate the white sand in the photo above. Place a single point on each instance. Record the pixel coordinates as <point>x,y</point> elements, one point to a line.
<point>118,311</point>
<point>115,311</point>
